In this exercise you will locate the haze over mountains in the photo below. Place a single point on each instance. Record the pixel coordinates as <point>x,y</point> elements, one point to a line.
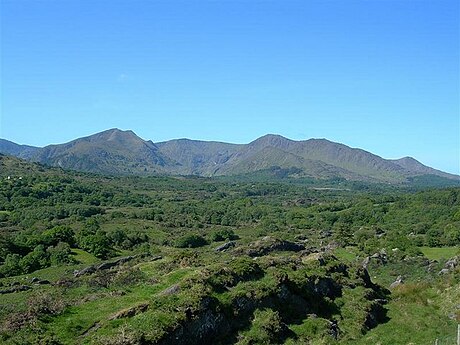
<point>122,152</point>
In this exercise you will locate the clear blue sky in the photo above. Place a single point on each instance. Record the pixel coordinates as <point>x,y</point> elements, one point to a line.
<point>379,75</point>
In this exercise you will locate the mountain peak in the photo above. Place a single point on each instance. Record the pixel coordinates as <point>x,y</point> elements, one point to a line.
<point>115,134</point>
<point>273,140</point>
<point>117,151</point>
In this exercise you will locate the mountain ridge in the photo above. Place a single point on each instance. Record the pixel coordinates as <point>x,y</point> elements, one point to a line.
<point>122,152</point>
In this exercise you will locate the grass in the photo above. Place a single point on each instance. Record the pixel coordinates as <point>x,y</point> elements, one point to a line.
<point>414,318</point>
<point>348,254</point>
<point>84,257</point>
<point>81,318</point>
<point>439,253</point>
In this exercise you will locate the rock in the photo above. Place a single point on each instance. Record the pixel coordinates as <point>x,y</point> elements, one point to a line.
<point>314,257</point>
<point>15,288</point>
<point>39,281</point>
<point>121,261</point>
<point>363,274</point>
<point>331,246</point>
<point>380,257</point>
<point>172,290</point>
<point>452,263</point>
<point>225,246</point>
<point>106,265</point>
<point>376,314</point>
<point>43,282</point>
<point>366,262</point>
<point>397,282</point>
<point>334,329</point>
<point>444,271</point>
<point>325,286</point>
<point>65,283</point>
<point>130,312</point>
<point>431,265</point>
<point>325,234</point>
<point>269,244</point>
<point>86,270</point>
<point>117,293</point>
<point>109,265</point>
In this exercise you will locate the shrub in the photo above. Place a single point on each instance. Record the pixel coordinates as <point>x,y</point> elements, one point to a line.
<point>128,276</point>
<point>35,260</point>
<point>60,254</point>
<point>223,235</point>
<point>267,328</point>
<point>58,234</point>
<point>190,241</point>
<point>11,266</point>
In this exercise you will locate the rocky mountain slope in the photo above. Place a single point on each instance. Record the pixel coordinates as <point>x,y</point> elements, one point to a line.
<point>122,152</point>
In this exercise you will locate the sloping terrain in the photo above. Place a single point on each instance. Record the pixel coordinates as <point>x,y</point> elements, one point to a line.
<point>111,152</point>
<point>92,259</point>
<point>119,152</point>
<point>13,149</point>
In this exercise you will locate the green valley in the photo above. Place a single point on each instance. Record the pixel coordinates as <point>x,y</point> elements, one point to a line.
<point>263,258</point>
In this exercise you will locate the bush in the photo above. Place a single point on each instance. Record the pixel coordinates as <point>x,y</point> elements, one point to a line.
<point>35,260</point>
<point>128,276</point>
<point>60,254</point>
<point>11,266</point>
<point>223,235</point>
<point>58,234</point>
<point>190,241</point>
<point>267,328</point>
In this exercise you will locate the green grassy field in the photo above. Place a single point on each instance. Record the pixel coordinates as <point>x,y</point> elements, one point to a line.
<point>440,253</point>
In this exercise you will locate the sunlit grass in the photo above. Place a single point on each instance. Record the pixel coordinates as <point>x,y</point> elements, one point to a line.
<point>440,252</point>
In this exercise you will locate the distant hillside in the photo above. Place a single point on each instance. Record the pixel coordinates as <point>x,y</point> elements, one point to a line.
<point>120,152</point>
<point>13,149</point>
<point>110,152</point>
<point>197,157</point>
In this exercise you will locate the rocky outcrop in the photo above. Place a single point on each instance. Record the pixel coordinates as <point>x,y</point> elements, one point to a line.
<point>269,244</point>
<point>172,290</point>
<point>15,288</point>
<point>213,322</point>
<point>130,312</point>
<point>225,246</point>
<point>397,282</point>
<point>111,264</point>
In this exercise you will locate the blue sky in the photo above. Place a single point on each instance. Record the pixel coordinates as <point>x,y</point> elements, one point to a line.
<point>379,75</point>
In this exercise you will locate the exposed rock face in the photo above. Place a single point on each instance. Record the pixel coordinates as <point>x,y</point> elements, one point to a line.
<point>130,312</point>
<point>444,271</point>
<point>225,246</point>
<point>172,290</point>
<point>450,265</point>
<point>15,288</point>
<point>397,282</point>
<point>375,315</point>
<point>212,322</point>
<point>269,244</point>
<point>198,329</point>
<point>363,274</point>
<point>108,265</point>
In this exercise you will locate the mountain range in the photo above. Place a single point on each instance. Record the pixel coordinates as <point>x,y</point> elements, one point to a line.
<point>121,152</point>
